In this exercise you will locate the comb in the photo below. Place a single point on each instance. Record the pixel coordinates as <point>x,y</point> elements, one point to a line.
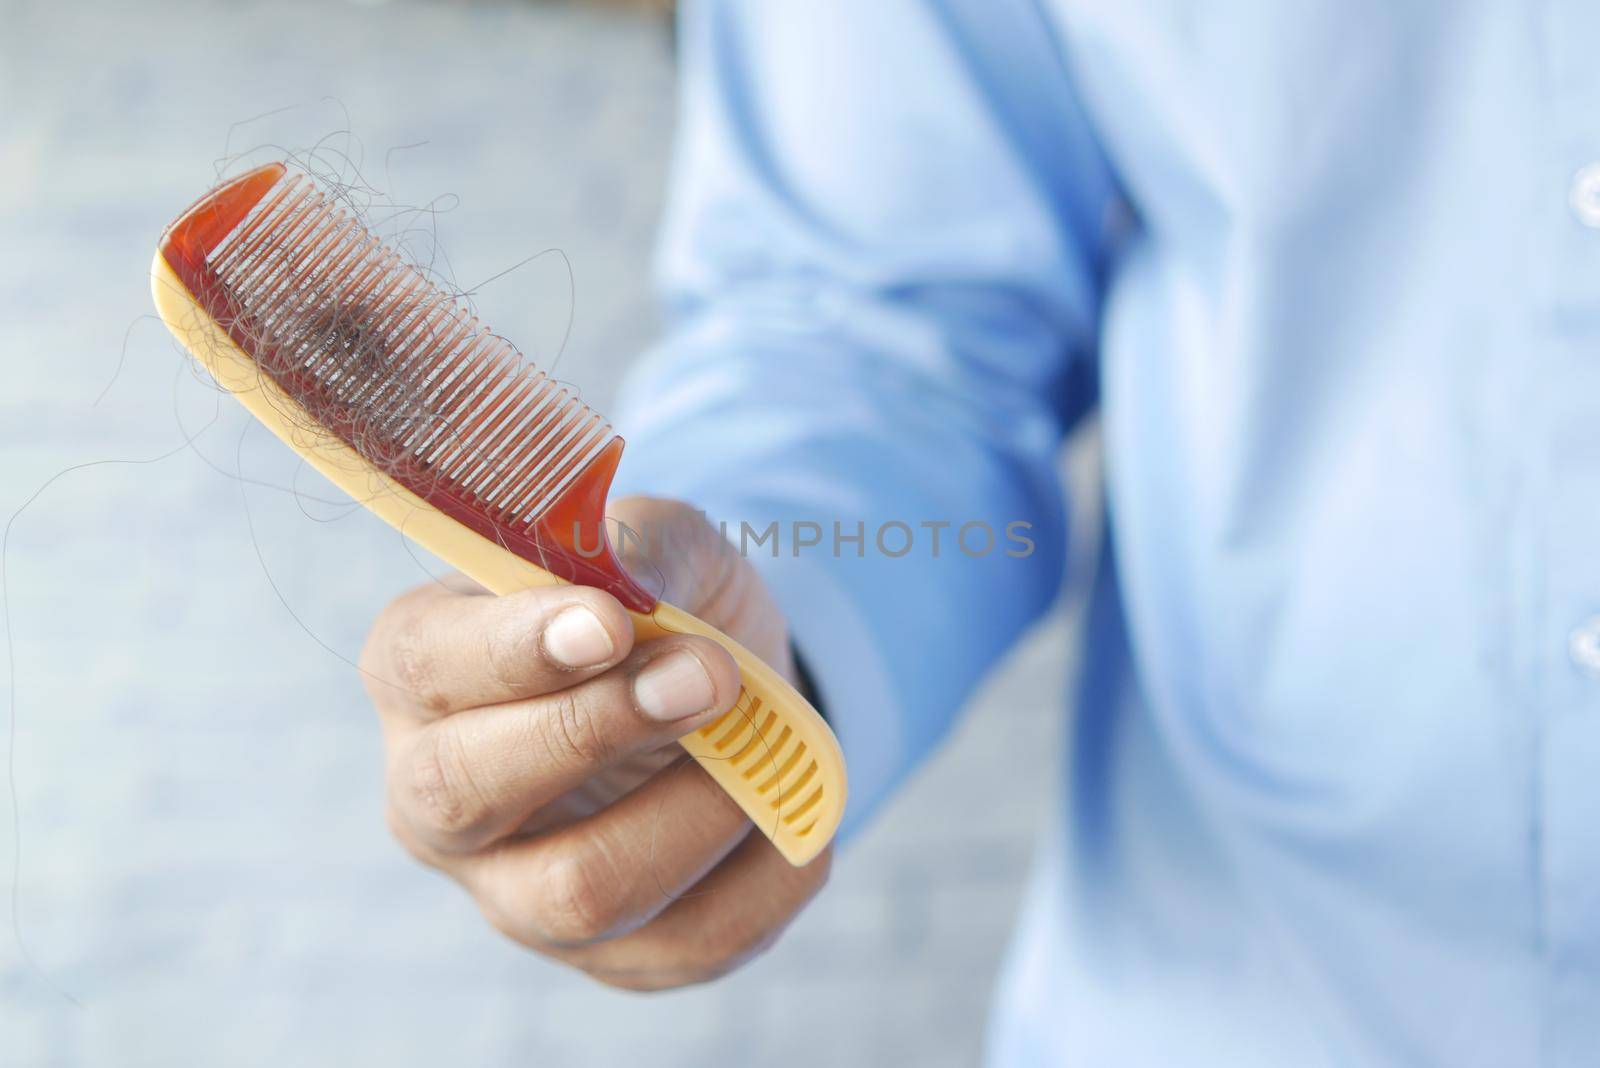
<point>393,390</point>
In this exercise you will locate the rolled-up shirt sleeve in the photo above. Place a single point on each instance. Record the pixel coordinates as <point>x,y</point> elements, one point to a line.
<point>880,262</point>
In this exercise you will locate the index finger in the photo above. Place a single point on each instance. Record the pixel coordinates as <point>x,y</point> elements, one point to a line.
<point>435,651</point>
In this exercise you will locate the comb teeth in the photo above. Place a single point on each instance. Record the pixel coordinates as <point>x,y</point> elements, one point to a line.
<point>402,370</point>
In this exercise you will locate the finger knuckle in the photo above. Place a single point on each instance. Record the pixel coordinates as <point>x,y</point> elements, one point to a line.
<point>580,900</point>
<point>572,734</point>
<point>510,657</point>
<point>443,794</point>
<point>510,918</point>
<point>744,946</point>
<point>402,833</point>
<point>410,654</point>
<point>737,941</point>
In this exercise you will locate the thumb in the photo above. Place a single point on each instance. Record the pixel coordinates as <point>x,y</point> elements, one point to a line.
<point>675,553</point>
<point>672,550</point>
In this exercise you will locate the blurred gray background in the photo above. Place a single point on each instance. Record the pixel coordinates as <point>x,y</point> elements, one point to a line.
<point>204,866</point>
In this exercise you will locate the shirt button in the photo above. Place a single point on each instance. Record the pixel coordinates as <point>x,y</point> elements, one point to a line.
<point>1584,647</point>
<point>1584,197</point>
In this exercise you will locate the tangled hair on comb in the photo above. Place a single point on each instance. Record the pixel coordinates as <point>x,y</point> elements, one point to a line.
<point>347,333</point>
<point>335,165</point>
<point>351,342</point>
<point>375,355</point>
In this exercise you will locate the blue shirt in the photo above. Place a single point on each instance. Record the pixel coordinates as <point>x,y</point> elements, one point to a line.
<point>1328,272</point>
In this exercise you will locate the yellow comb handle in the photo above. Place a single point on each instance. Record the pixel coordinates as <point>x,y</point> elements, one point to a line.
<point>772,752</point>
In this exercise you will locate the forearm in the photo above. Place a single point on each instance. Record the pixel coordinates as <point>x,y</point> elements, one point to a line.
<point>880,273</point>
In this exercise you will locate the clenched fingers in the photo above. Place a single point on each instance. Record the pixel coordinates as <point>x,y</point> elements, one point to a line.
<point>730,916</point>
<point>465,780</point>
<point>611,872</point>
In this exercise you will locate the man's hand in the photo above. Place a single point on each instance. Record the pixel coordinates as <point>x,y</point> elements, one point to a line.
<point>531,757</point>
